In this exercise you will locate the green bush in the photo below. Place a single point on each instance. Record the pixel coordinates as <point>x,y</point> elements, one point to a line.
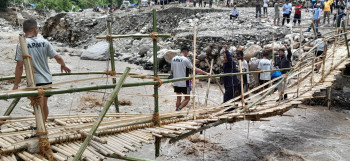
<point>3,4</point>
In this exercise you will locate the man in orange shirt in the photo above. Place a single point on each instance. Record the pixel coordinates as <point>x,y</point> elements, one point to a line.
<point>327,11</point>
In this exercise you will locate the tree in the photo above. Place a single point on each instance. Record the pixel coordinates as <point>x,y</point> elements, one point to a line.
<point>3,4</point>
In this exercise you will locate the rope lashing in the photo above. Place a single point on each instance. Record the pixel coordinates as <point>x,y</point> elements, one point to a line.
<point>159,81</point>
<point>44,147</point>
<point>109,38</point>
<point>111,73</point>
<point>156,118</point>
<point>152,35</point>
<point>36,100</point>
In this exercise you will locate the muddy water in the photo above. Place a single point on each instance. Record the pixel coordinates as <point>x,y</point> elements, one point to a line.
<point>313,133</point>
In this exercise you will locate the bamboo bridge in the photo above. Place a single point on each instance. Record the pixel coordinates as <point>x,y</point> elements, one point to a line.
<point>112,135</point>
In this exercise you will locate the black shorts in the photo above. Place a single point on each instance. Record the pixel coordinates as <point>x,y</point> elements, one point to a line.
<point>264,81</point>
<point>318,53</point>
<point>43,84</point>
<point>183,90</point>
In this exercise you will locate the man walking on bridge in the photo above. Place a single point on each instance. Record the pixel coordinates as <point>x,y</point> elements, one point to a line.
<point>39,50</point>
<point>180,68</point>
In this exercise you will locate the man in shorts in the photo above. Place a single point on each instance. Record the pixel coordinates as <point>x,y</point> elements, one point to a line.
<point>180,67</point>
<point>39,50</point>
<point>276,20</point>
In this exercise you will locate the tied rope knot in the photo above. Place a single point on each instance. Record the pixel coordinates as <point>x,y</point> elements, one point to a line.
<point>111,73</point>
<point>156,118</point>
<point>44,147</point>
<point>153,36</point>
<point>36,100</point>
<point>109,37</point>
<point>159,81</point>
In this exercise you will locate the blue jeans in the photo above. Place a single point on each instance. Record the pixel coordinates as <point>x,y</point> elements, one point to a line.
<point>316,26</point>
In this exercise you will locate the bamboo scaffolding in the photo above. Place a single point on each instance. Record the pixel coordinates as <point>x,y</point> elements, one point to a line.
<point>134,36</point>
<point>194,70</point>
<point>111,53</point>
<point>207,92</point>
<point>102,114</point>
<point>81,89</point>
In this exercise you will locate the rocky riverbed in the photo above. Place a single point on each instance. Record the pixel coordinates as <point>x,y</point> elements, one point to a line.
<point>313,133</point>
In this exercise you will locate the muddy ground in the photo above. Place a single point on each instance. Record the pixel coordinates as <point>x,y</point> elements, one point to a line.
<point>313,133</point>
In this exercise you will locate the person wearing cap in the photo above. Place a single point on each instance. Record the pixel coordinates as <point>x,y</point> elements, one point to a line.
<point>283,62</point>
<point>297,13</point>
<point>319,50</point>
<point>180,68</point>
<point>234,13</point>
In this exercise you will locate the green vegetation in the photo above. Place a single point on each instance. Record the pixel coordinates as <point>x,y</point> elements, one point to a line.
<point>64,5</point>
<point>3,4</point>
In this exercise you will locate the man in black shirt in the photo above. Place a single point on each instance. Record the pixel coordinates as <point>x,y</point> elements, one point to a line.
<point>283,62</point>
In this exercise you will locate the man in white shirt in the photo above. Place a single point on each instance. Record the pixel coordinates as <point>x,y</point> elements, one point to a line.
<point>265,64</point>
<point>245,68</point>
<point>180,67</point>
<point>266,4</point>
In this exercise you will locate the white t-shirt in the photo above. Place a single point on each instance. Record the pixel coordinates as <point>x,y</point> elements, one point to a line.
<point>265,64</point>
<point>266,3</point>
<point>246,67</point>
<point>180,65</point>
<point>40,50</point>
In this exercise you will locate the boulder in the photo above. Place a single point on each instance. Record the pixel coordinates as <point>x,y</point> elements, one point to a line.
<point>202,56</point>
<point>99,51</point>
<point>251,51</point>
<point>276,46</point>
<point>168,55</point>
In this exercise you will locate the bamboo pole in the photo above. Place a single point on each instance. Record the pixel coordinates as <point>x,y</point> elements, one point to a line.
<point>11,107</point>
<point>346,38</point>
<point>216,80</point>
<point>312,71</point>
<point>102,114</point>
<point>194,70</point>
<point>81,89</point>
<point>155,69</point>
<point>329,97</point>
<point>314,29</point>
<point>242,89</point>
<point>211,71</point>
<point>324,61</point>
<point>134,75</point>
<point>111,52</point>
<point>27,60</point>
<point>134,36</point>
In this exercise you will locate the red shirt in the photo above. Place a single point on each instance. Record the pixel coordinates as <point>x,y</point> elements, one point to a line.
<point>298,11</point>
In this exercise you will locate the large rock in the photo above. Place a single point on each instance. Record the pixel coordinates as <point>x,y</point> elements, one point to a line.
<point>168,55</point>
<point>276,46</point>
<point>99,51</point>
<point>251,51</point>
<point>202,56</point>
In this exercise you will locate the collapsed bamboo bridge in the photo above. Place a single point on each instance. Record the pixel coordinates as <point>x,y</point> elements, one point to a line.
<point>112,135</point>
